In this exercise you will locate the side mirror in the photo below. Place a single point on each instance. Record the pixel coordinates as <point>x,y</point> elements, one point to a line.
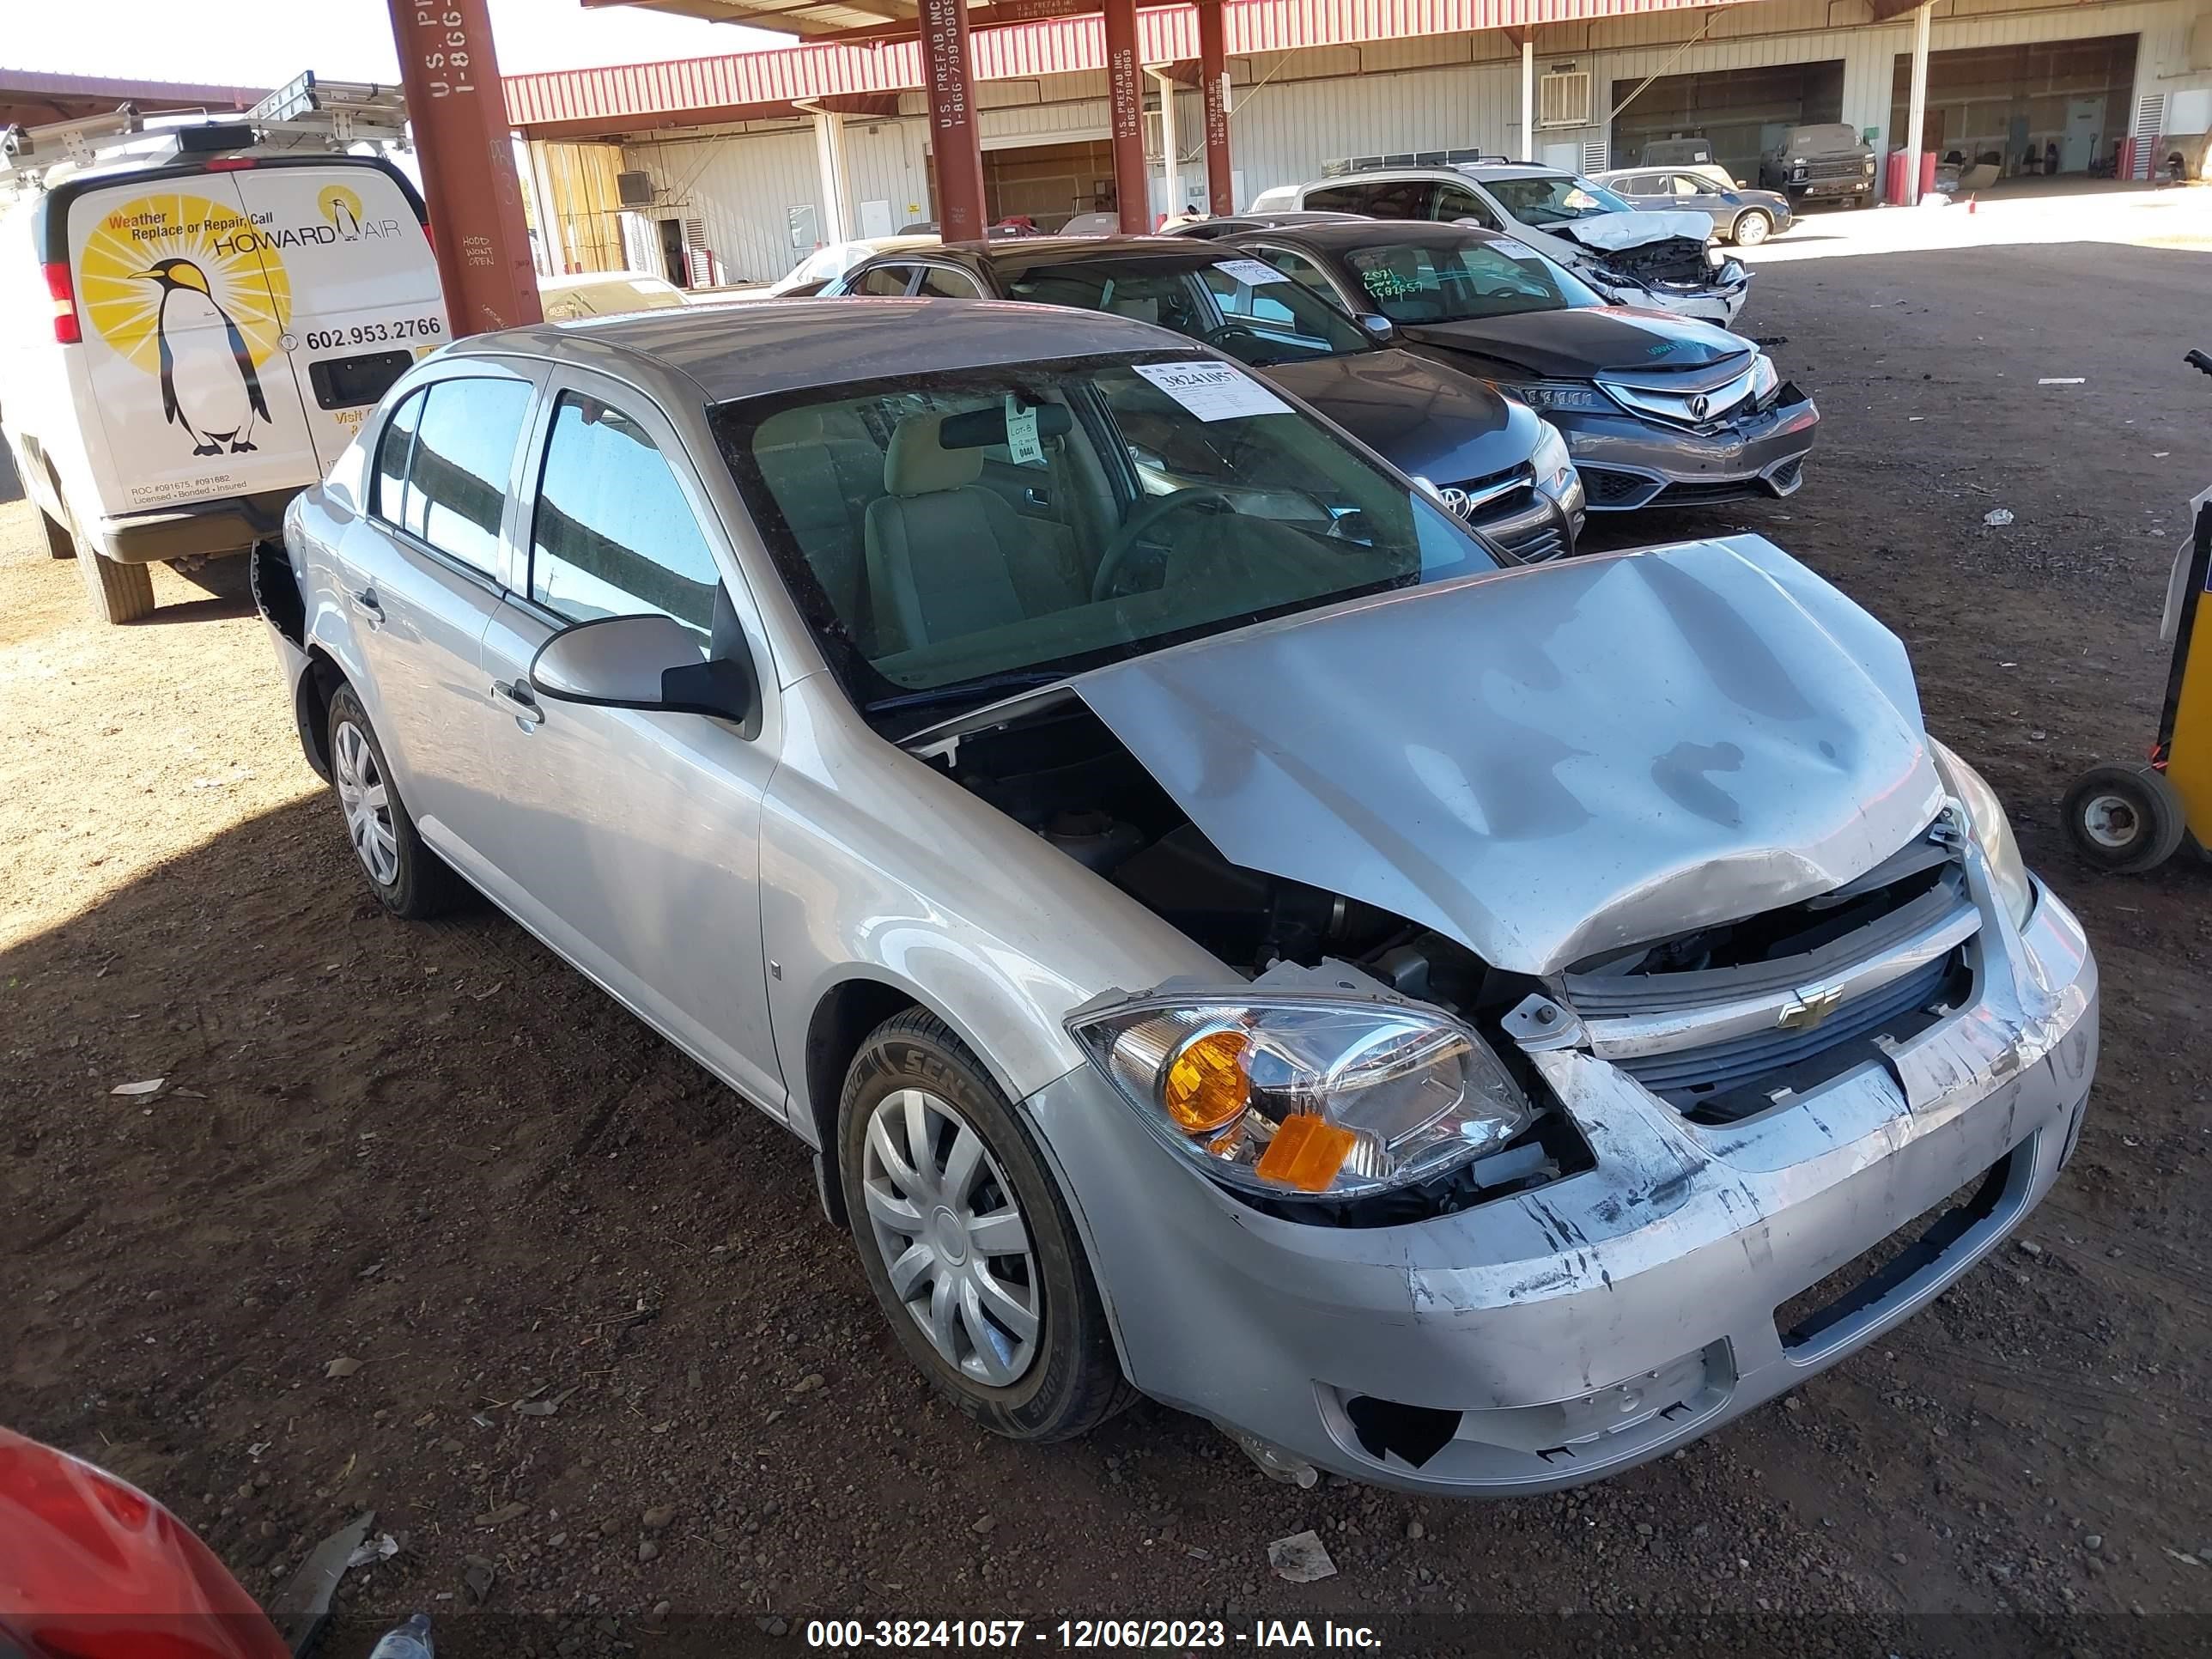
<point>642,662</point>
<point>1379,328</point>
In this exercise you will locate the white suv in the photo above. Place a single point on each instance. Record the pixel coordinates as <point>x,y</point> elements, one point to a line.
<point>1633,257</point>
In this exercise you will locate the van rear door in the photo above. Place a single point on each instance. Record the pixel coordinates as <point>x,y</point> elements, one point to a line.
<point>187,375</point>
<point>364,300</point>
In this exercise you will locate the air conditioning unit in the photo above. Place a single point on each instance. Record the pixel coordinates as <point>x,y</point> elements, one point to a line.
<point>634,190</point>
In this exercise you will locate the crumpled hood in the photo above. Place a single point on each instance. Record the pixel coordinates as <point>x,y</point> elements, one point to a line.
<point>1634,229</point>
<point>1552,761</point>
<point>1581,342</point>
<point>1423,417</point>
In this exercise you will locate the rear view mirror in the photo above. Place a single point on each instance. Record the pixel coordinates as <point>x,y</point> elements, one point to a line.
<point>642,662</point>
<point>1378,328</point>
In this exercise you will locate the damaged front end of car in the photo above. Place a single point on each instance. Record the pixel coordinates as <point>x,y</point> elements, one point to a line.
<point>1610,962</point>
<point>1660,261</point>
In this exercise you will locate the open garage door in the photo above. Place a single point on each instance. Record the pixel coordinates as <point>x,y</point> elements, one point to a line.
<point>2008,100</point>
<point>1738,111</point>
<point>1048,184</point>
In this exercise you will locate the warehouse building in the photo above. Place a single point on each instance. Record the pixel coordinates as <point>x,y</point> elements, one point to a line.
<point>733,168</point>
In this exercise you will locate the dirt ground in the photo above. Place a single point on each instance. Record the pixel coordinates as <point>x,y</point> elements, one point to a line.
<point>437,1150</point>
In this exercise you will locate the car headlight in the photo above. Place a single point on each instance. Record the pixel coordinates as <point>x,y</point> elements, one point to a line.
<point>1764,377</point>
<point>1867,162</point>
<point>1556,394</point>
<point>1305,1097</point>
<point>1991,830</point>
<point>1555,467</point>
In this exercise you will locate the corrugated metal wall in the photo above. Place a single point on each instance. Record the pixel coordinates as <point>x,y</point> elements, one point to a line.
<point>1295,110</point>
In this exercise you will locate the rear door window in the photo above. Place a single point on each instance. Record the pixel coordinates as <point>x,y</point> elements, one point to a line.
<point>613,534</point>
<point>395,449</point>
<point>943,282</point>
<point>463,459</point>
<point>1339,198</point>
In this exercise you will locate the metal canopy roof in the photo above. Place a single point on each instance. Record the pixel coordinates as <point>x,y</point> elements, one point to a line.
<point>696,91</point>
<point>800,17</point>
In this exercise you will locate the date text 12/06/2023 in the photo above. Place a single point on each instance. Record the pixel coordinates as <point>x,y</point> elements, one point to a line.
<point>1174,1635</point>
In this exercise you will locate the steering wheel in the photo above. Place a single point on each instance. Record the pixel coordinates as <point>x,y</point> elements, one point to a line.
<point>1152,513</point>
<point>1230,335</point>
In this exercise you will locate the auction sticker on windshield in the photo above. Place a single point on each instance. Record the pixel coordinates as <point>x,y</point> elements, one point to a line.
<point>1513,250</point>
<point>1253,273</point>
<point>1212,392</point>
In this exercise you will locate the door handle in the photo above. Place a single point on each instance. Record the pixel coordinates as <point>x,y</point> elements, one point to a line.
<point>365,602</point>
<point>520,702</point>
<point>1036,497</point>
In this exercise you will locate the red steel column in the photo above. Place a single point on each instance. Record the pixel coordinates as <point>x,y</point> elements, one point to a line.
<point>956,150</point>
<point>1132,196</point>
<point>459,112</point>
<point>1214,79</point>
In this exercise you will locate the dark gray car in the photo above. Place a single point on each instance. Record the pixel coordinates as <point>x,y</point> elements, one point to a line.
<point>1490,459</point>
<point>1658,410</point>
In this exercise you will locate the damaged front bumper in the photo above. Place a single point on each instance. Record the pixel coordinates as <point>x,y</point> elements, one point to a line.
<point>1549,1337</point>
<point>1627,462</point>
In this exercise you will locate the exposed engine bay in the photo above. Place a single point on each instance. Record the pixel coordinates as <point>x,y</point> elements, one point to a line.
<point>1061,774</point>
<point>1676,259</point>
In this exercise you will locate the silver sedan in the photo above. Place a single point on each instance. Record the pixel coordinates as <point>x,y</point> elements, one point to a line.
<point>1226,931</point>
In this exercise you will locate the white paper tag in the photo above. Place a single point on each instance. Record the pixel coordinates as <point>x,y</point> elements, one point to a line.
<point>1511,249</point>
<point>1253,273</point>
<point>1212,392</point>
<point>1022,434</point>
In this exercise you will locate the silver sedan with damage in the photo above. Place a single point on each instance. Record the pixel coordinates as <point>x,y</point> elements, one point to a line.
<point>1227,933</point>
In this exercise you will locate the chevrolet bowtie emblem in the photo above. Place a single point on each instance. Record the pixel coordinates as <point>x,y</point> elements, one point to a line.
<point>1812,1004</point>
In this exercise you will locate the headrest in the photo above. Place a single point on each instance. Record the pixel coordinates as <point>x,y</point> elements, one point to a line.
<point>919,463</point>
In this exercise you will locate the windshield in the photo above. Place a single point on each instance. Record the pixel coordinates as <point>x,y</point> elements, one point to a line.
<point>1243,308</point>
<point>1554,200</point>
<point>1434,281</point>
<point>952,536</point>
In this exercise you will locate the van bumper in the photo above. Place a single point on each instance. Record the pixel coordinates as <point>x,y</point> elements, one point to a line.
<point>197,529</point>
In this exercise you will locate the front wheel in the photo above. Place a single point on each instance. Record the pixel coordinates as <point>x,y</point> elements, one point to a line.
<point>966,1241</point>
<point>1752,229</point>
<point>410,879</point>
<point>2125,819</point>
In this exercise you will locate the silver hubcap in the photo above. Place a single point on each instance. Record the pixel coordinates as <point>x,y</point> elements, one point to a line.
<point>1752,231</point>
<point>951,1236</point>
<point>368,806</point>
<point>2111,822</point>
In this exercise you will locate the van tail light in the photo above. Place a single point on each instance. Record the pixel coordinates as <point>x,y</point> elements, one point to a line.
<point>67,330</point>
<point>230,164</point>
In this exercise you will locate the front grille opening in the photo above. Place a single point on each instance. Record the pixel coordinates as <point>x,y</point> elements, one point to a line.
<point>1784,476</point>
<point>1912,1250</point>
<point>1900,1010</point>
<point>1603,487</point>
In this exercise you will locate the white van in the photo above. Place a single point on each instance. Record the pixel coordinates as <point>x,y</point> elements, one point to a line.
<point>190,334</point>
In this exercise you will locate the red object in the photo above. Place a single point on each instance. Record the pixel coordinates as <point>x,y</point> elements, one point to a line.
<point>230,164</point>
<point>67,330</point>
<point>1125,101</point>
<point>1895,177</point>
<point>1213,80</point>
<point>955,148</point>
<point>91,1568</point>
<point>458,113</point>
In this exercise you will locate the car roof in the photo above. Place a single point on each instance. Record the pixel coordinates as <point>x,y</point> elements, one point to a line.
<point>1031,251</point>
<point>1360,233</point>
<point>758,348</point>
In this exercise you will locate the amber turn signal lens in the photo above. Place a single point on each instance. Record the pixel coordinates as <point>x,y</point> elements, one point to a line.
<point>1306,1152</point>
<point>1207,1087</point>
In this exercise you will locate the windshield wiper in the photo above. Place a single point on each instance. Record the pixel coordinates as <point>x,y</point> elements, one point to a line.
<point>981,690</point>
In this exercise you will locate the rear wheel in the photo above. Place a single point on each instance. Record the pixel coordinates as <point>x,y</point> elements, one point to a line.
<point>1752,227</point>
<point>2125,819</point>
<point>116,593</point>
<point>966,1241</point>
<point>411,881</point>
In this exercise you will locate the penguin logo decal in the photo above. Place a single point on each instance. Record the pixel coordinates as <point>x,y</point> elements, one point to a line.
<point>209,383</point>
<point>182,287</point>
<point>340,210</point>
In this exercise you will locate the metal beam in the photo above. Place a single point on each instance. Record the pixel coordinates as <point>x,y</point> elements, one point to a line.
<point>1213,78</point>
<point>458,113</point>
<point>1125,98</point>
<point>1916,118</point>
<point>1004,15</point>
<point>955,148</point>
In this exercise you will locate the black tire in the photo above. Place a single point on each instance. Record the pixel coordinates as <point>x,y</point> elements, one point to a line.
<point>1753,226</point>
<point>2125,819</point>
<point>115,593</point>
<point>423,884</point>
<point>1074,1382</point>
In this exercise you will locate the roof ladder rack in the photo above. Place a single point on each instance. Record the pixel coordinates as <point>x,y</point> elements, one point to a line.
<point>335,113</point>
